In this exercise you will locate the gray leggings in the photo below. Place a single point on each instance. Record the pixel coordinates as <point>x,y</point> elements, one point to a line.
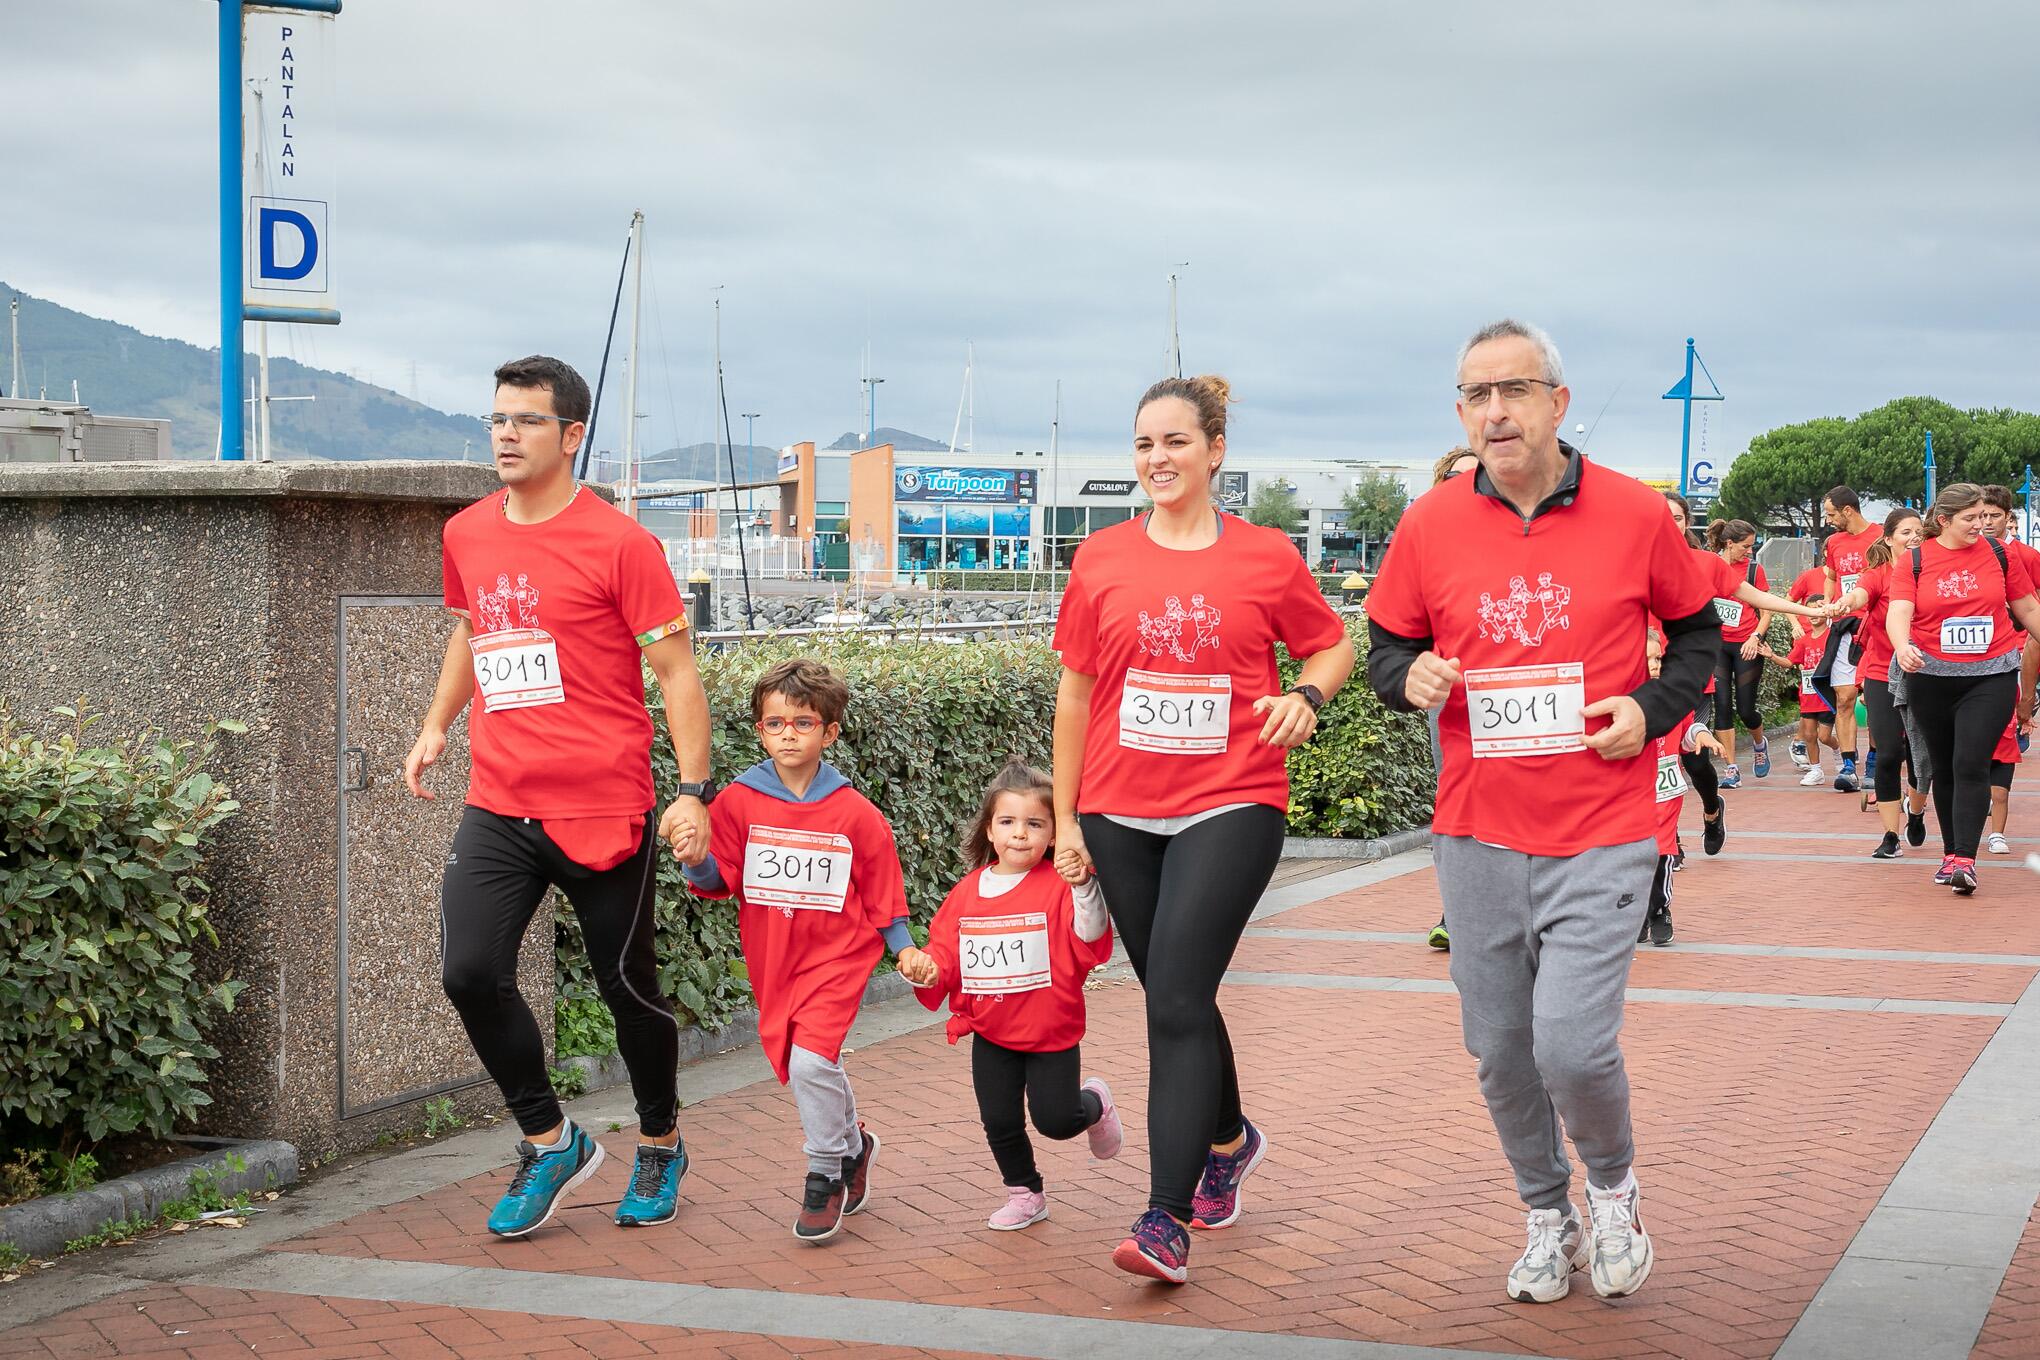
<point>1541,948</point>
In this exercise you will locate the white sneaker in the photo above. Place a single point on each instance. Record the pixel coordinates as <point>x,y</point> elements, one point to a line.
<point>1813,778</point>
<point>1998,844</point>
<point>1557,1247</point>
<point>1621,1248</point>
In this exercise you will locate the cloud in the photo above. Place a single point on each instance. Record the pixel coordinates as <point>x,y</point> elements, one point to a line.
<point>1836,199</point>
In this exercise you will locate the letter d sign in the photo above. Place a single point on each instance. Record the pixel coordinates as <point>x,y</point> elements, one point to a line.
<point>287,254</point>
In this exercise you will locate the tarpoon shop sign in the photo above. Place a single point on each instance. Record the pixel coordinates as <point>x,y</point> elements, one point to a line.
<point>992,486</point>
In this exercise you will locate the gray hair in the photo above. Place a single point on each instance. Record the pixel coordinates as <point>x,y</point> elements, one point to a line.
<point>1507,328</point>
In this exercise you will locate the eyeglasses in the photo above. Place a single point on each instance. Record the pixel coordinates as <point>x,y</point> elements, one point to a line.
<point>774,725</point>
<point>1513,390</point>
<point>523,420</point>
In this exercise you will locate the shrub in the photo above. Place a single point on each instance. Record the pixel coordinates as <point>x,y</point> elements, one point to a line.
<point>928,726</point>
<point>950,578</point>
<point>103,997</point>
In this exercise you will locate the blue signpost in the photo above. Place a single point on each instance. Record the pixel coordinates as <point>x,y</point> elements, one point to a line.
<point>1682,392</point>
<point>2032,527</point>
<point>1930,467</point>
<point>233,308</point>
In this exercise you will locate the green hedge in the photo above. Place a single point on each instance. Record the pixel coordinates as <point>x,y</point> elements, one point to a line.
<point>949,579</point>
<point>104,991</point>
<point>928,726</point>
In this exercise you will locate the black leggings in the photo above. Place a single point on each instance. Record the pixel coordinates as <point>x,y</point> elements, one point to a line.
<point>1887,735</point>
<point>1961,718</point>
<point>1051,1084</point>
<point>496,876</point>
<point>1180,903</point>
<point>1700,774</point>
<point>1736,683</point>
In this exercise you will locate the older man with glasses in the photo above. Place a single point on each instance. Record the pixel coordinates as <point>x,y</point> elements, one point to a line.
<point>1515,603</point>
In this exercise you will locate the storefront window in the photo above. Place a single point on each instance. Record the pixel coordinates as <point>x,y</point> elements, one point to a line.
<point>920,554</point>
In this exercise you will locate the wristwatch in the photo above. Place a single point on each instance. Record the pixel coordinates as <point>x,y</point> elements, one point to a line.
<point>1312,695</point>
<point>705,791</point>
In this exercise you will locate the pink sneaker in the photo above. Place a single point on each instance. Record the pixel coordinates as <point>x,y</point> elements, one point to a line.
<point>1106,1136</point>
<point>1022,1208</point>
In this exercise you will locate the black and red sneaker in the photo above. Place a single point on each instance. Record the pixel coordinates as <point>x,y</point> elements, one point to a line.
<point>821,1209</point>
<point>857,1172</point>
<point>1158,1249</point>
<point>1962,875</point>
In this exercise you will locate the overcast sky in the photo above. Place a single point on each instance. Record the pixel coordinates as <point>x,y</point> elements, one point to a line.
<point>1839,199</point>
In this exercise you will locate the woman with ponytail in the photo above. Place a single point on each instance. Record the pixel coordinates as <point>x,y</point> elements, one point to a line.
<point>1954,602</point>
<point>1739,666</point>
<point>1172,733</point>
<point>1883,685</point>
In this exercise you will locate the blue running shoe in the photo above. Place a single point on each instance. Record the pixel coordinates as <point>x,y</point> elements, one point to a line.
<point>1217,1201</point>
<point>1870,768</point>
<point>1763,756</point>
<point>1731,778</point>
<point>654,1193</point>
<point>542,1178</point>
<point>1158,1248</point>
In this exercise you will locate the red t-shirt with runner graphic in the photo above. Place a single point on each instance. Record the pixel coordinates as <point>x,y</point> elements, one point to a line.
<point>1181,644</point>
<point>1959,601</point>
<point>1843,553</point>
<point>1671,784</point>
<point>1875,663</point>
<point>558,727</point>
<point>1806,652</point>
<point>1018,1000</point>
<point>1730,578</point>
<point>1806,585</point>
<point>814,883</point>
<point>1544,618</point>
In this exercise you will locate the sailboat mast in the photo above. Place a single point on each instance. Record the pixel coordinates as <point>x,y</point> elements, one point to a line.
<point>630,388</point>
<point>1054,481</point>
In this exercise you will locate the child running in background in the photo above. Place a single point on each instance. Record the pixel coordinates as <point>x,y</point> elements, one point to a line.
<point>2004,763</point>
<point>1686,737</point>
<point>1009,949</point>
<point>820,897</point>
<point>1816,719</point>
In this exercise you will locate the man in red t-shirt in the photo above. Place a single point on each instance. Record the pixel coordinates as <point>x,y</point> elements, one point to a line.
<point>1835,678</point>
<point>560,601</point>
<point>1545,830</point>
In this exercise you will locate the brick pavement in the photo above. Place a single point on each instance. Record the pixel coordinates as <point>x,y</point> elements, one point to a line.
<point>1383,1215</point>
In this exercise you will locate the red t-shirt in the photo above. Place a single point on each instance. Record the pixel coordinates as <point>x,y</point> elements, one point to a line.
<point>2028,554</point>
<point>1730,577</point>
<point>825,879</point>
<point>1961,584</point>
<point>1671,785</point>
<point>558,727</point>
<point>1805,654</point>
<point>1018,1000</point>
<point>1806,585</point>
<point>1566,597</point>
<point>2007,752</point>
<point>1181,645</point>
<point>1843,554</point>
<point>1875,663</point>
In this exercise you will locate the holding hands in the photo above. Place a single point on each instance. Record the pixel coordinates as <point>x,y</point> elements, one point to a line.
<point>918,966</point>
<point>1072,859</point>
<point>685,827</point>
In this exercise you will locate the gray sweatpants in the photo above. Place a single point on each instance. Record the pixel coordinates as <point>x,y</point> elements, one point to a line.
<point>1541,948</point>
<point>828,1111</point>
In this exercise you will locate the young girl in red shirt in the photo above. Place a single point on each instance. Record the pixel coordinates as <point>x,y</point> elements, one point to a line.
<point>1009,950</point>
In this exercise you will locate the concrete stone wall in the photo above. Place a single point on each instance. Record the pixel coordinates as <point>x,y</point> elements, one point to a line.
<point>166,596</point>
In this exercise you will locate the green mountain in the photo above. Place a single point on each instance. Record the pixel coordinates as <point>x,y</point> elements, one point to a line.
<point>122,372</point>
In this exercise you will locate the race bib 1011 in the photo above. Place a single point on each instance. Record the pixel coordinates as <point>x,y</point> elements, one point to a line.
<point>1526,710</point>
<point>1968,636</point>
<point>792,870</point>
<point>1001,954</point>
<point>1175,715</point>
<point>517,668</point>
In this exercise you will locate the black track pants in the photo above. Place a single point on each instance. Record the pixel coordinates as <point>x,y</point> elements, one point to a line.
<point>1180,903</point>
<point>1961,718</point>
<point>1051,1084</point>
<point>496,876</point>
